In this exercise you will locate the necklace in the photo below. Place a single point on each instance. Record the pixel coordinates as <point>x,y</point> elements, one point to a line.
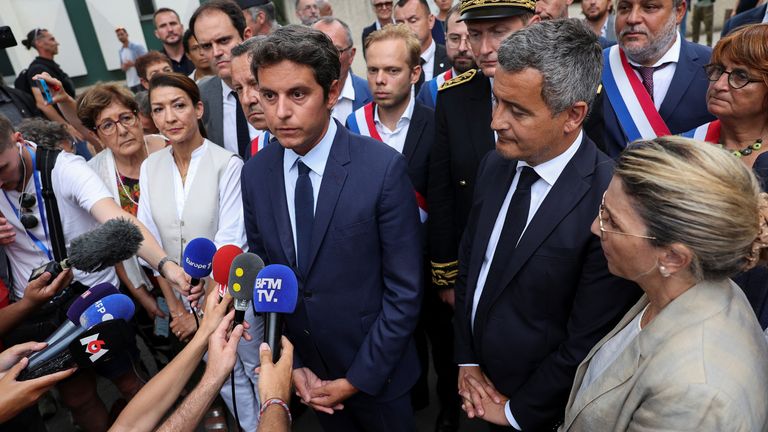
<point>748,150</point>
<point>126,191</point>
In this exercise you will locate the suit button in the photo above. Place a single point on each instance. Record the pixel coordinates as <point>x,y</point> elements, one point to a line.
<point>307,294</point>
<point>462,183</point>
<point>306,332</point>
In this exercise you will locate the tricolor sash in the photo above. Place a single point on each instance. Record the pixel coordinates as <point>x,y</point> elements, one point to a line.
<point>633,105</point>
<point>259,142</point>
<point>434,84</point>
<point>708,132</point>
<point>361,122</point>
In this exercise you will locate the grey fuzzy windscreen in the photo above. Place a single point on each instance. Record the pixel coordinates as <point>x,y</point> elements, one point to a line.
<point>113,242</point>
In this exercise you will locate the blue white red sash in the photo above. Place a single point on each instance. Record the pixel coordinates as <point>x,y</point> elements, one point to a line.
<point>633,105</point>
<point>362,123</point>
<point>708,132</point>
<point>258,143</point>
<point>434,84</point>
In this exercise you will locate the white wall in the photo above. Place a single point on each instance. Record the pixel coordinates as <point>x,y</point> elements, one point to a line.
<point>106,17</point>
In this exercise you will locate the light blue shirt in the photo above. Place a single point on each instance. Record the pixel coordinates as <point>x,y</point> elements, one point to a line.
<point>315,160</point>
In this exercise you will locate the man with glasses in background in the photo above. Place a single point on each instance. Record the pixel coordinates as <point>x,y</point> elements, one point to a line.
<point>307,11</point>
<point>383,11</point>
<point>354,89</point>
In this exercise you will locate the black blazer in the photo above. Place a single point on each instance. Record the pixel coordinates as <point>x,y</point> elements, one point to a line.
<point>442,63</point>
<point>418,144</point>
<point>556,298</point>
<point>751,16</point>
<point>366,31</point>
<point>463,136</point>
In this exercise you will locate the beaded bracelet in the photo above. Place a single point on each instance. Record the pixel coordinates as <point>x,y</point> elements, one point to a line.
<point>276,401</point>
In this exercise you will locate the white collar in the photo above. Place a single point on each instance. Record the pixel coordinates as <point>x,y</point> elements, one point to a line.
<point>348,92</point>
<point>550,170</point>
<point>430,52</point>
<point>225,89</point>
<point>671,56</point>
<point>316,158</point>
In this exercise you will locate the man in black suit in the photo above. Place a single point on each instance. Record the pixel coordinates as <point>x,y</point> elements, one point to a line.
<point>463,132</point>
<point>534,293</point>
<point>403,123</point>
<point>383,11</point>
<point>417,16</point>
<point>752,16</point>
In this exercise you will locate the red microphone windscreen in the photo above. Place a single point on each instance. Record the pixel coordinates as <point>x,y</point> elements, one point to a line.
<point>222,261</point>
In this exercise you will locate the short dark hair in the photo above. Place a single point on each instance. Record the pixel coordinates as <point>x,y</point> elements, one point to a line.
<point>227,7</point>
<point>302,45</point>
<point>423,3</point>
<point>164,10</point>
<point>6,130</point>
<point>150,58</point>
<point>452,11</point>
<point>185,39</point>
<point>45,133</point>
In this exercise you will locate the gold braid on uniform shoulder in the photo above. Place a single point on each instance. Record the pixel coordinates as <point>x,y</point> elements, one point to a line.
<point>444,274</point>
<point>461,79</point>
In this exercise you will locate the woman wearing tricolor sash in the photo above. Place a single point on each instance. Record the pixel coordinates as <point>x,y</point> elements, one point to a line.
<point>738,97</point>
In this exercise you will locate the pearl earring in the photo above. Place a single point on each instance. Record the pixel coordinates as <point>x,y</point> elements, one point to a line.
<point>664,272</point>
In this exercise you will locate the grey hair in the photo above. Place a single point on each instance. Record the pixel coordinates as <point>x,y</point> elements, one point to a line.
<point>44,132</point>
<point>328,20</point>
<point>142,100</point>
<point>247,45</point>
<point>565,52</point>
<point>268,9</point>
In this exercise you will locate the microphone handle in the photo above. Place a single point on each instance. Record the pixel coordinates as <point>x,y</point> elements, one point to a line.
<point>273,329</point>
<point>52,350</point>
<point>239,317</point>
<point>63,331</point>
<point>194,282</point>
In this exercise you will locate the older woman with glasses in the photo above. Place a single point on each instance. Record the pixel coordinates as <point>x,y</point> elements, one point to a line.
<point>738,97</point>
<point>679,218</point>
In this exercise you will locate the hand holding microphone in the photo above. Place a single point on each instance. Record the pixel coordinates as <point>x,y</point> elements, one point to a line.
<point>46,287</point>
<point>18,395</point>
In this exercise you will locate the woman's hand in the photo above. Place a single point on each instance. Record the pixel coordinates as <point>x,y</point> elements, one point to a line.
<point>54,86</point>
<point>183,325</point>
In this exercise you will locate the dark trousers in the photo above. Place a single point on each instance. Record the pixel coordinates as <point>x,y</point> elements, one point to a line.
<point>362,414</point>
<point>705,14</point>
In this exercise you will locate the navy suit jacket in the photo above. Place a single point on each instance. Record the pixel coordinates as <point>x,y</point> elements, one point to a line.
<point>683,108</point>
<point>359,302</point>
<point>752,16</point>
<point>556,298</point>
<point>362,93</point>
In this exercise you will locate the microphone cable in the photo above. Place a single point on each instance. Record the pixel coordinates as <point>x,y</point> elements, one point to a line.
<point>234,400</point>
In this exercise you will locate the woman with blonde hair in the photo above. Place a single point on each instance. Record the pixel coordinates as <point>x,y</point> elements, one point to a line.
<point>679,218</point>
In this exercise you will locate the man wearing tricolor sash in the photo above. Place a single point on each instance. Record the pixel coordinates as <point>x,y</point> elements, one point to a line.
<point>459,52</point>
<point>247,89</point>
<point>653,80</point>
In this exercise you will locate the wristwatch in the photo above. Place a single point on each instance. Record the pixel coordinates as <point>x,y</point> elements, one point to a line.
<point>162,262</point>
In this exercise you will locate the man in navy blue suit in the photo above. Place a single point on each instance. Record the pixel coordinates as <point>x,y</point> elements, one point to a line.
<point>752,16</point>
<point>653,82</point>
<point>340,210</point>
<point>533,293</point>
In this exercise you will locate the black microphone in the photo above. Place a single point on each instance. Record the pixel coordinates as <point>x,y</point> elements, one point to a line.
<point>109,244</point>
<point>242,275</point>
<point>276,292</point>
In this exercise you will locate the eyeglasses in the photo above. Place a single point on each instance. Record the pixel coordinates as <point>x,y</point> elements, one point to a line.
<point>737,78</point>
<point>600,218</point>
<point>456,40</point>
<point>109,126</point>
<point>343,50</point>
<point>383,5</point>
<point>27,202</point>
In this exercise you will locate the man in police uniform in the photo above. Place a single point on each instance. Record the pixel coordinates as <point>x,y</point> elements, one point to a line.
<point>463,132</point>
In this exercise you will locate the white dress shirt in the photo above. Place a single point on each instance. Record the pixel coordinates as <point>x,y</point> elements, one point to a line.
<point>765,20</point>
<point>662,78</point>
<point>396,138</point>
<point>230,120</point>
<point>315,160</point>
<point>429,61</point>
<point>548,172</point>
<point>231,227</point>
<point>344,105</point>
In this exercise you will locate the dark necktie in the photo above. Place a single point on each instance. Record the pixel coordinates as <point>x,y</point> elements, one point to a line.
<point>422,77</point>
<point>514,224</point>
<point>304,204</point>
<point>243,136</point>
<point>646,73</point>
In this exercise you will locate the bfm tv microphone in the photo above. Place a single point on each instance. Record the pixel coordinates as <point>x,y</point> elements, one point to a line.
<point>97,292</point>
<point>242,275</point>
<point>276,290</point>
<point>115,306</point>
<point>109,244</point>
<point>222,262</point>
<point>198,258</point>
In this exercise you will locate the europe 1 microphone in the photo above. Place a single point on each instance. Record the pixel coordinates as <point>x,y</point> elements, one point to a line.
<point>198,258</point>
<point>276,290</point>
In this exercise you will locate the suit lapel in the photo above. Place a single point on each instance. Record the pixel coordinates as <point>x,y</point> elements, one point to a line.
<point>333,181</point>
<point>561,199</point>
<point>483,103</point>
<point>415,129</point>
<point>276,186</point>
<point>685,70</point>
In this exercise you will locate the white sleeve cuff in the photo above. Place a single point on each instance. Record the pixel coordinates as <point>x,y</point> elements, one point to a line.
<point>510,417</point>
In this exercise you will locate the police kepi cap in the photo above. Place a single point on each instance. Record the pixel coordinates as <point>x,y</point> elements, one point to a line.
<point>491,9</point>
<point>245,4</point>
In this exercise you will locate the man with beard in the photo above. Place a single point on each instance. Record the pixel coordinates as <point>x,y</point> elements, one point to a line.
<point>247,89</point>
<point>219,26</point>
<point>653,81</point>
<point>459,52</point>
<point>169,30</point>
<point>599,16</point>
<point>463,133</point>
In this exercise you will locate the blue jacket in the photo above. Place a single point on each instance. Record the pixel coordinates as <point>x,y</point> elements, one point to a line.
<point>752,16</point>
